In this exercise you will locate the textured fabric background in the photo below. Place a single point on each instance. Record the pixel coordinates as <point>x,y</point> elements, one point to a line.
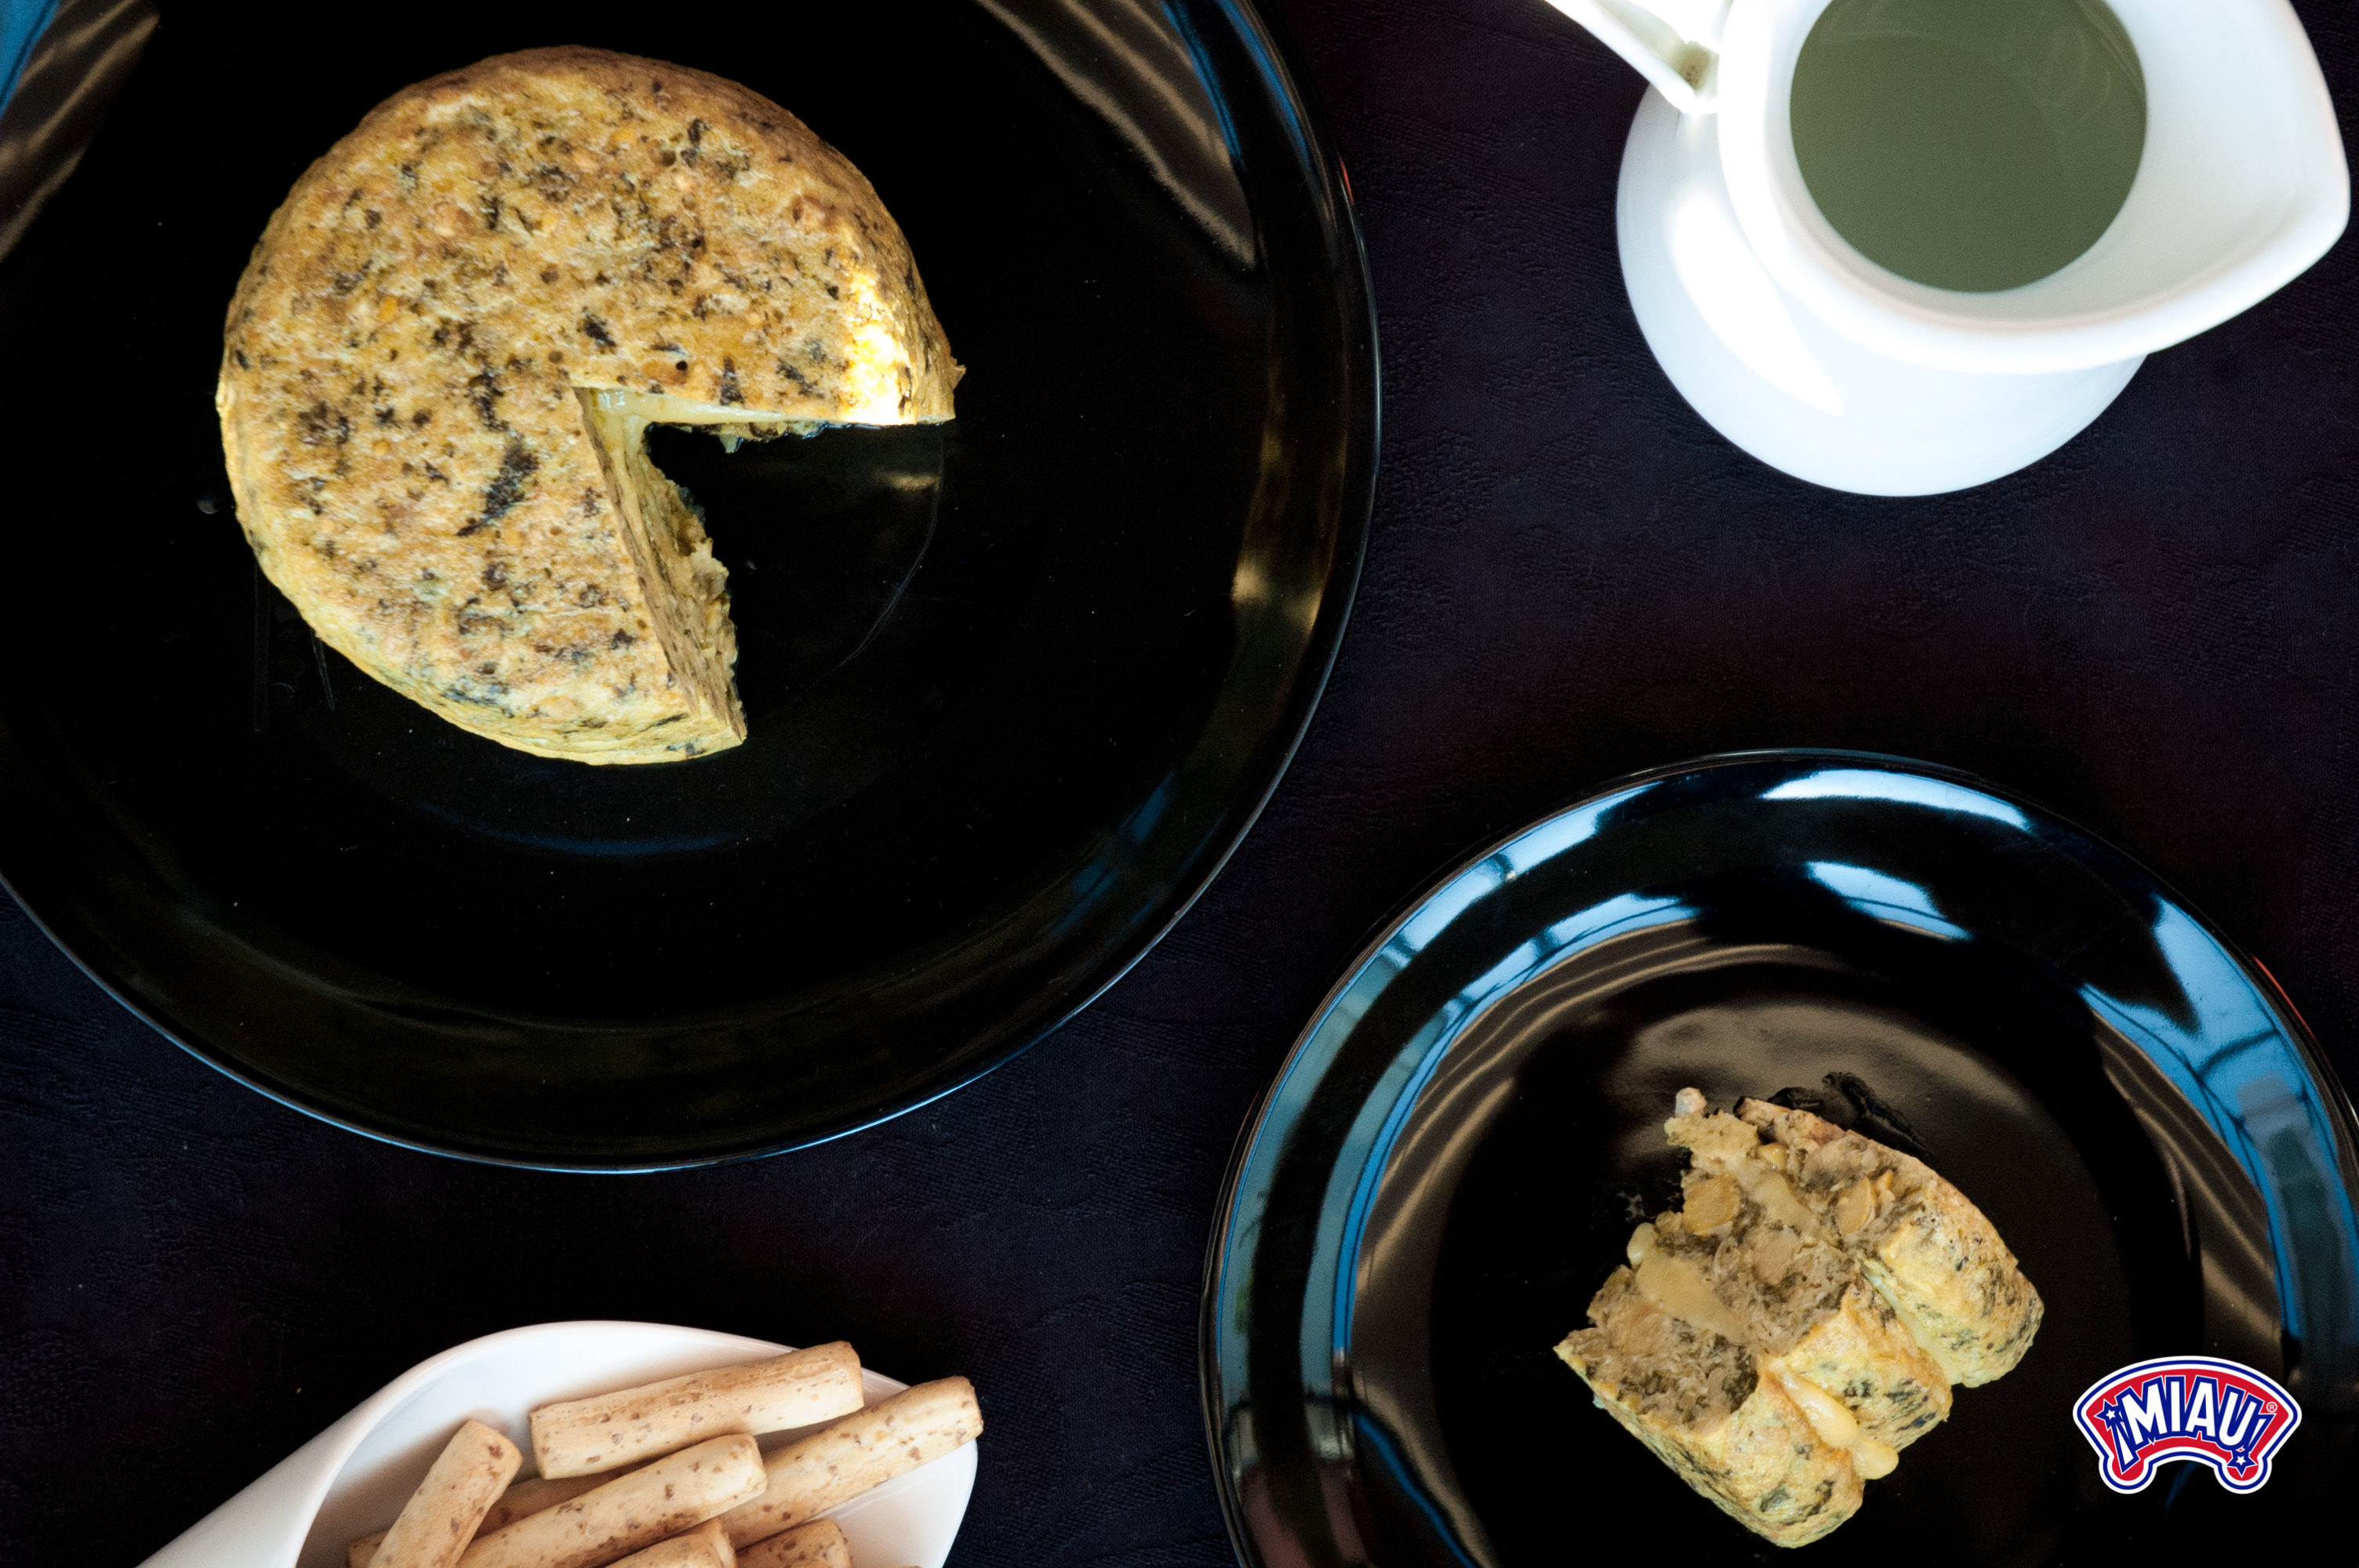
<point>2156,631</point>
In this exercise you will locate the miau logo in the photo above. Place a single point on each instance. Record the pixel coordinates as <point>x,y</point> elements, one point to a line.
<point>2218,1413</point>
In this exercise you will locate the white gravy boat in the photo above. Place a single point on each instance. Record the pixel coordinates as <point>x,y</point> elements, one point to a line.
<point>1822,363</point>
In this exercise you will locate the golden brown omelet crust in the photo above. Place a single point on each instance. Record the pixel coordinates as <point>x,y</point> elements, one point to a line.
<point>398,386</point>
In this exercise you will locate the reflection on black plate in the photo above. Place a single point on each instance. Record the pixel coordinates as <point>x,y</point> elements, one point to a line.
<point>1017,685</point>
<point>1449,1163</point>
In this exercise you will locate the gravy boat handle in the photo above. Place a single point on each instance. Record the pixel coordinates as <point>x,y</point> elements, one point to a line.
<point>1674,43</point>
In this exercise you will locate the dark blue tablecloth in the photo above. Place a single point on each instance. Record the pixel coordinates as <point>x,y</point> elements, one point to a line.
<point>2156,631</point>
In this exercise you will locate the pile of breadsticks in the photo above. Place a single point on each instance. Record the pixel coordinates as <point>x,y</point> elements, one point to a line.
<point>668,1475</point>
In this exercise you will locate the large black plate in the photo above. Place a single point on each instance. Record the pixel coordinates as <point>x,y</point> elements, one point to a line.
<point>1017,686</point>
<point>1451,1161</point>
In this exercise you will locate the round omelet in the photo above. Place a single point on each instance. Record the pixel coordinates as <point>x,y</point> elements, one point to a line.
<point>441,364</point>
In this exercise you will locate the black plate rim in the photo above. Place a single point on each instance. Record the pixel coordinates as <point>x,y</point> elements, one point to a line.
<point>1217,1243</point>
<point>1283,80</point>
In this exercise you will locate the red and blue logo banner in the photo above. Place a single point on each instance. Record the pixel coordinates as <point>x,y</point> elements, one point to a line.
<point>2217,1414</point>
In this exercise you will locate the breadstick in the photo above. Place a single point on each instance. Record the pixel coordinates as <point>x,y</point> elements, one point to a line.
<point>631,1511</point>
<point>706,1546</point>
<point>440,1517</point>
<point>525,1497</point>
<point>529,1498</point>
<point>867,1449</point>
<point>581,1437</point>
<point>819,1544</point>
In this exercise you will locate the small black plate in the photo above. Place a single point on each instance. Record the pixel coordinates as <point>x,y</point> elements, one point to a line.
<point>1451,1161</point>
<point>1017,685</point>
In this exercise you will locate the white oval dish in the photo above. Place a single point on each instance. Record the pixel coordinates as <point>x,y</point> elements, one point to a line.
<point>353,1478</point>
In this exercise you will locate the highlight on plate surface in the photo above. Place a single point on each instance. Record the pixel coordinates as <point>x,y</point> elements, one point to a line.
<point>1803,1316</point>
<point>668,1474</point>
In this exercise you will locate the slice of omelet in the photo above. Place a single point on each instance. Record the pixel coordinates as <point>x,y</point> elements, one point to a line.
<point>1799,1281</point>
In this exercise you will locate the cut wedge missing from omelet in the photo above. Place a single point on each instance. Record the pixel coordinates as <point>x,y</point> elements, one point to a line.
<point>1800,1318</point>
<point>442,363</point>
